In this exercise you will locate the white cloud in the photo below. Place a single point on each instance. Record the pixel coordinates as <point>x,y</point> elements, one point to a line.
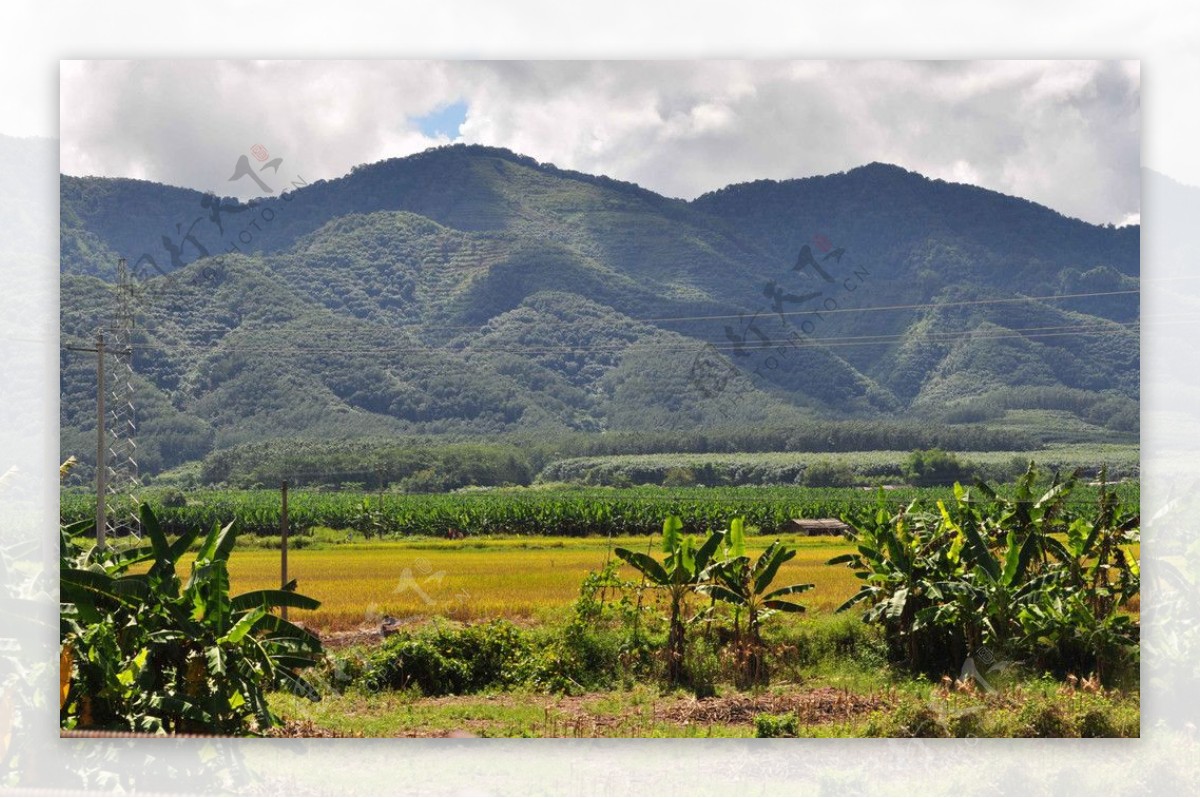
<point>1065,134</point>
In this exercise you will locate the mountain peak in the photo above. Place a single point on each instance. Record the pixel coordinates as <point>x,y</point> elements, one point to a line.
<point>879,168</point>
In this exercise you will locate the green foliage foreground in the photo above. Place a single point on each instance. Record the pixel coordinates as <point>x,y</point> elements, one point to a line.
<point>1020,576</point>
<point>147,652</point>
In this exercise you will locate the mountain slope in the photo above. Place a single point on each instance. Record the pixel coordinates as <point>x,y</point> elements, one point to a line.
<point>469,291</point>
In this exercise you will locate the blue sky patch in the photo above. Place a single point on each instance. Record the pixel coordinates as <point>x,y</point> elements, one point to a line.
<point>444,121</point>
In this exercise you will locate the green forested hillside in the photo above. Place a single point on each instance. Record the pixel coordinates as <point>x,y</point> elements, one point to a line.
<point>469,292</point>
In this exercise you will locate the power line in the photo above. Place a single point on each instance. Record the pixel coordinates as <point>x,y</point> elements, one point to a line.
<point>1037,333</point>
<point>873,308</point>
<point>720,317</point>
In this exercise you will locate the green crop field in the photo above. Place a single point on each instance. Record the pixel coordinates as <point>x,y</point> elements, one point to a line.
<point>555,511</point>
<point>865,468</point>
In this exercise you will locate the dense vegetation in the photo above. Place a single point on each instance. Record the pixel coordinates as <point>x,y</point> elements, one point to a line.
<point>919,467</point>
<point>144,651</point>
<point>1016,587</point>
<point>535,511</point>
<point>1034,585</point>
<point>470,292</point>
<point>424,464</point>
<point>1026,578</point>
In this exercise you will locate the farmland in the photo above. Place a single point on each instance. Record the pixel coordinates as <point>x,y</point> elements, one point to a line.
<point>858,468</point>
<point>536,511</point>
<point>646,611</point>
<point>473,580</point>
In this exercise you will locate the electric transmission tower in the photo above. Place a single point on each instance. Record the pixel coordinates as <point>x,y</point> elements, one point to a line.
<point>117,483</point>
<point>122,484</point>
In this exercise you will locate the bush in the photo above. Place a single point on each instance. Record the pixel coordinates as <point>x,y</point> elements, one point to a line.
<point>172,497</point>
<point>910,718</point>
<point>934,467</point>
<point>1097,722</point>
<point>1044,717</point>
<point>444,660</point>
<point>679,478</point>
<point>702,667</point>
<point>1100,716</point>
<point>825,474</point>
<point>826,640</point>
<point>786,725</point>
<point>967,723</point>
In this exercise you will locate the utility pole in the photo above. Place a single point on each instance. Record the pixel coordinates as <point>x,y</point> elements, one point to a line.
<point>379,478</point>
<point>101,438</point>
<point>283,543</point>
<point>101,444</point>
<point>116,467</point>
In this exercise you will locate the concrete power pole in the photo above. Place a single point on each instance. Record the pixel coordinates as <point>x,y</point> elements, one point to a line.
<point>116,469</point>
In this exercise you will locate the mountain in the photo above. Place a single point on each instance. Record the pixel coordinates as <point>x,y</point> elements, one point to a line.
<point>469,291</point>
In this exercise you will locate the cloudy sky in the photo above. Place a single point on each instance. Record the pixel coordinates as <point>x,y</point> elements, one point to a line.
<point>1062,133</point>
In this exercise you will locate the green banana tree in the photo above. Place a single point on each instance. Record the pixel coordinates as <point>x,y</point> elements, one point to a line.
<point>901,559</point>
<point>148,652</point>
<point>985,597</point>
<point>746,586</point>
<point>1084,618</point>
<point>1026,575</point>
<point>679,574</point>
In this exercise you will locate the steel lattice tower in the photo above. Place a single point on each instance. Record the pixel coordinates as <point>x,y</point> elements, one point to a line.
<point>123,483</point>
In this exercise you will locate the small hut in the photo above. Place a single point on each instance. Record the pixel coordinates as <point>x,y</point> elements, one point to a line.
<point>818,526</point>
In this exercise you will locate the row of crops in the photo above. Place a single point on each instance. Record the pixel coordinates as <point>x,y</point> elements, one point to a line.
<point>567,512</point>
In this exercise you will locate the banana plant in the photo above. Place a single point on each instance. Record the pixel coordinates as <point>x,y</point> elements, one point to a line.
<point>902,560</point>
<point>148,652</point>
<point>1021,575</point>
<point>1096,577</point>
<point>679,575</point>
<point>1030,517</point>
<point>985,597</point>
<point>746,586</point>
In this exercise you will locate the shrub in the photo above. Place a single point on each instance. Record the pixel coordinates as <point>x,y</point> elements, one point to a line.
<point>702,667</point>
<point>910,718</point>
<point>825,474</point>
<point>934,467</point>
<point>1044,717</point>
<point>679,478</point>
<point>829,640</point>
<point>444,660</point>
<point>966,723</point>
<point>1097,722</point>
<point>172,497</point>
<point>786,725</point>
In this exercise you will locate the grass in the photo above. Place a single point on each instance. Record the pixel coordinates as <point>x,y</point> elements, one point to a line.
<point>874,704</point>
<point>626,713</point>
<point>519,578</point>
<point>829,679</point>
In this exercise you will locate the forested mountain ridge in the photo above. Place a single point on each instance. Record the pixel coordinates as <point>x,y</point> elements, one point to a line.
<point>469,291</point>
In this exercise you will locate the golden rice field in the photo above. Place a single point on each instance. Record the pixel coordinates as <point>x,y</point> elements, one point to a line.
<point>518,578</point>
